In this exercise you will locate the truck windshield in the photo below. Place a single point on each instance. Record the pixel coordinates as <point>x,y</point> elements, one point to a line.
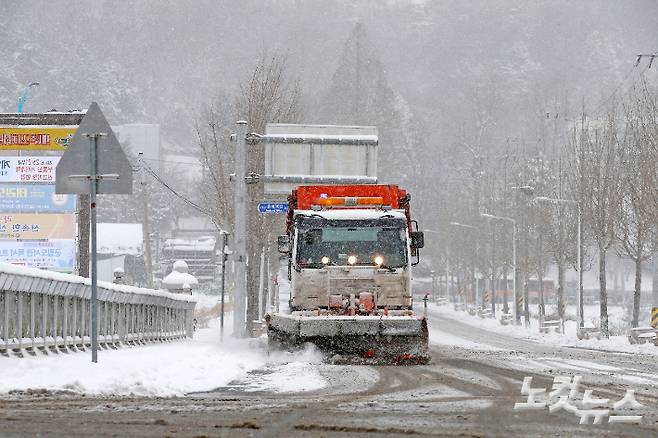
<point>359,243</point>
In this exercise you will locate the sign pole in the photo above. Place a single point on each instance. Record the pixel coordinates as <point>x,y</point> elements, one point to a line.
<point>93,179</point>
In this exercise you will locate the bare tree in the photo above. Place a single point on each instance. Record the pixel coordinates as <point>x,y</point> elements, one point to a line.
<point>596,178</point>
<point>636,229</point>
<point>217,157</point>
<point>268,96</point>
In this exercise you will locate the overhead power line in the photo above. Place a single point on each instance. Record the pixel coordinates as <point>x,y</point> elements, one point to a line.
<point>175,193</point>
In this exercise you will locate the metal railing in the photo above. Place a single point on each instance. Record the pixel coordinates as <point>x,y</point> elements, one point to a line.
<point>41,310</point>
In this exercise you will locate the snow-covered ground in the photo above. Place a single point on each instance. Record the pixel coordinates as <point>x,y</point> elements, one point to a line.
<point>568,339</point>
<point>170,369</point>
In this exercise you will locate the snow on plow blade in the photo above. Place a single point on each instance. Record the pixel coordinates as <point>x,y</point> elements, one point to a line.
<point>355,339</point>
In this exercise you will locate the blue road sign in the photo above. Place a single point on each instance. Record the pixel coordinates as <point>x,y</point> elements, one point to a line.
<point>273,207</point>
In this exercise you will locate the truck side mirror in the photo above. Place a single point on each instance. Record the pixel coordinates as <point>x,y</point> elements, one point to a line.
<point>283,243</point>
<point>417,239</point>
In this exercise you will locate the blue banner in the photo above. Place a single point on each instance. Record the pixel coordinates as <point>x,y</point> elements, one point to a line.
<point>273,207</point>
<point>55,254</point>
<point>34,198</point>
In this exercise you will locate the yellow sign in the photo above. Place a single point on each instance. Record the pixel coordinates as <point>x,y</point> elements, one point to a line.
<point>50,138</point>
<point>654,317</point>
<point>37,226</point>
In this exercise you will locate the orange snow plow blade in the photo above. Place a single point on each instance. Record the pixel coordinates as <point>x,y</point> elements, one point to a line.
<point>377,340</point>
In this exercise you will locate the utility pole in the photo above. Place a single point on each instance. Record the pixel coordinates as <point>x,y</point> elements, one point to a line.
<point>261,284</point>
<point>493,269</point>
<point>145,224</point>
<point>224,258</point>
<point>540,278</point>
<point>240,230</point>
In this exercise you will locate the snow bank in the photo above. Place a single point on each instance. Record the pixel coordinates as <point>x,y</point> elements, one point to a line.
<point>614,343</point>
<point>172,369</point>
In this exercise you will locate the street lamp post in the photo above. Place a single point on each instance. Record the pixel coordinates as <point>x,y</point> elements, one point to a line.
<point>513,222</point>
<point>579,263</point>
<point>475,255</point>
<point>24,95</point>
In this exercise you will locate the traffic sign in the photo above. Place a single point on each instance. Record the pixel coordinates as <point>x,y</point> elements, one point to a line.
<point>273,207</point>
<point>113,170</point>
<point>94,163</point>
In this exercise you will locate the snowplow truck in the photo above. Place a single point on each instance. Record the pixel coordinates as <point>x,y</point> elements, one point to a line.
<point>350,250</point>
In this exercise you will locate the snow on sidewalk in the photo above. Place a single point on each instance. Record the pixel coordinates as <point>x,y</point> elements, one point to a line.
<point>618,344</point>
<point>171,369</point>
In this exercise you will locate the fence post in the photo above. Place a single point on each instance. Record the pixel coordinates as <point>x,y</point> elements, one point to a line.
<point>19,320</point>
<point>33,309</point>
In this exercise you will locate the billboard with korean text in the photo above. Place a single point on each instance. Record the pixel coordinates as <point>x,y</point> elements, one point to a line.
<point>55,254</point>
<point>28,169</point>
<point>33,198</point>
<point>31,226</point>
<point>52,138</point>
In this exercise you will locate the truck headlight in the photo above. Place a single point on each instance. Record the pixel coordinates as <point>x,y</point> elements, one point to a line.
<point>351,260</point>
<point>325,260</point>
<point>379,260</point>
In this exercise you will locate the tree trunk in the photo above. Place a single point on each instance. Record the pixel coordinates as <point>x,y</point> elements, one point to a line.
<point>540,281</point>
<point>83,235</point>
<point>526,265</point>
<point>603,292</point>
<point>560,290</point>
<point>654,287</point>
<point>505,291</point>
<point>636,294</point>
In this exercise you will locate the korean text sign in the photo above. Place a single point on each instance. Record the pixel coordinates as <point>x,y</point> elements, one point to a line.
<point>32,198</point>
<point>28,169</point>
<point>37,226</point>
<point>36,137</point>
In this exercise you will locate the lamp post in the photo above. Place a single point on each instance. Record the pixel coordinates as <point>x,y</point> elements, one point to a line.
<point>474,282</point>
<point>579,263</point>
<point>513,222</point>
<point>24,95</point>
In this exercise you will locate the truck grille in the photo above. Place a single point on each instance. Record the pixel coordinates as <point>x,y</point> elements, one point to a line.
<point>345,287</point>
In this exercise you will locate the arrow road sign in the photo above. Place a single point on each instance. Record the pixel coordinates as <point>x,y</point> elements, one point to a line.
<point>273,207</point>
<point>113,170</point>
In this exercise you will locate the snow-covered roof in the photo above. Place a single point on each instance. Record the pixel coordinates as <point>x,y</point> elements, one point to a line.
<point>193,223</point>
<point>203,243</point>
<point>346,213</point>
<point>119,238</point>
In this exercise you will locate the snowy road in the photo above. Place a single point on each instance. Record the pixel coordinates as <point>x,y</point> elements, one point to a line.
<point>469,389</point>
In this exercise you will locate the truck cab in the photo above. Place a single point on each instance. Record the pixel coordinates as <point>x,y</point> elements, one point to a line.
<point>351,251</point>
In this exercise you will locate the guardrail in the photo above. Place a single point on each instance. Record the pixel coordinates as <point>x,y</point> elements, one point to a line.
<point>41,310</point>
